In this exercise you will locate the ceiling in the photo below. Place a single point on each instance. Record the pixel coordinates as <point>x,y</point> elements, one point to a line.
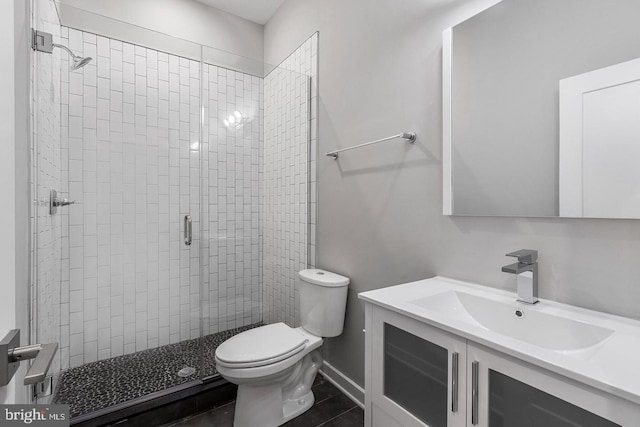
<point>254,10</point>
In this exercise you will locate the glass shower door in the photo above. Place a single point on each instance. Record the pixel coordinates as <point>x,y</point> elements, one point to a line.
<point>133,164</point>
<point>116,274</point>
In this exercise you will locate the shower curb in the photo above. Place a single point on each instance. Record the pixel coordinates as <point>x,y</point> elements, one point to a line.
<point>163,407</point>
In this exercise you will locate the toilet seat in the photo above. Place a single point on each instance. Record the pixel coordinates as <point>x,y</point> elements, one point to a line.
<point>261,346</point>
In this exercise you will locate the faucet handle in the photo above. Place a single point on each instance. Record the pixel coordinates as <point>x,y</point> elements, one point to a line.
<point>525,256</point>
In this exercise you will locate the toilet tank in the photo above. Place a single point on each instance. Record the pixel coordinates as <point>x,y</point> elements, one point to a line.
<point>323,301</point>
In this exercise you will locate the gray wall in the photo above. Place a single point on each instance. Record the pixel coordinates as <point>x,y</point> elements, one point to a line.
<point>183,19</point>
<point>380,208</point>
<point>507,63</point>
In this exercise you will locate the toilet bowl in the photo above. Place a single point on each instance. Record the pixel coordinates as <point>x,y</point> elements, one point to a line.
<point>274,368</point>
<point>275,365</point>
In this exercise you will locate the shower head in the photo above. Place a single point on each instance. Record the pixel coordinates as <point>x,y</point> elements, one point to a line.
<point>76,61</point>
<point>79,62</point>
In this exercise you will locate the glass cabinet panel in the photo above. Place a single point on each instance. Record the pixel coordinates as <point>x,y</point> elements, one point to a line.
<point>415,375</point>
<point>514,403</point>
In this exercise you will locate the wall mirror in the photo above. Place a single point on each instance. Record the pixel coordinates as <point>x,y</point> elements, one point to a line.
<point>542,110</point>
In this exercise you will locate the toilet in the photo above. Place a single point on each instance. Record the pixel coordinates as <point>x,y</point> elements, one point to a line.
<point>275,365</point>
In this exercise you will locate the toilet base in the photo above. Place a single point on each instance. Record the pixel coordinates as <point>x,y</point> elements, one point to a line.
<point>294,408</point>
<point>265,412</point>
<point>271,405</point>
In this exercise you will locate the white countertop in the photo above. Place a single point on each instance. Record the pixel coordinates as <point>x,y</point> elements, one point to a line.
<point>612,365</point>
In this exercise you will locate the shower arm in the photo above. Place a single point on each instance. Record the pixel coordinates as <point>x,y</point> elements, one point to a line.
<point>73,55</point>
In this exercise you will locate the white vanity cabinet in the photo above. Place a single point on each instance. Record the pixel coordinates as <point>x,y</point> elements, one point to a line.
<point>420,375</point>
<point>416,374</point>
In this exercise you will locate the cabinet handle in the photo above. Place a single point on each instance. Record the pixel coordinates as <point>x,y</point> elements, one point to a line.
<point>474,392</point>
<point>454,381</point>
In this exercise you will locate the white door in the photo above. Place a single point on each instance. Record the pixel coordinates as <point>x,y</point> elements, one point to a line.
<point>600,143</point>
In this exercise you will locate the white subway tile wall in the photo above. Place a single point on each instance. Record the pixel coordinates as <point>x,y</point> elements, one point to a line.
<point>45,157</point>
<point>289,181</point>
<point>133,159</point>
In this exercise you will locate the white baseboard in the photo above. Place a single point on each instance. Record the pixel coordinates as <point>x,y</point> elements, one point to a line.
<point>345,384</point>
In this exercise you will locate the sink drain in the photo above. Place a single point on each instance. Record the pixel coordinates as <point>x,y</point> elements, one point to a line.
<point>187,371</point>
<point>519,313</point>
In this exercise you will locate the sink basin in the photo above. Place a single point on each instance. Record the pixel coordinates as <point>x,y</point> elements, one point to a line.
<point>515,320</point>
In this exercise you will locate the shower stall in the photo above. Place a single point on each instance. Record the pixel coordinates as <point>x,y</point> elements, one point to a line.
<point>173,203</point>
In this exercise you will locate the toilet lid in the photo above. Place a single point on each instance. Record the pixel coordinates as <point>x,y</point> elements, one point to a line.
<point>261,346</point>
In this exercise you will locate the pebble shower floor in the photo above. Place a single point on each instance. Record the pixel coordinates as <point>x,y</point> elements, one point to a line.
<point>98,385</point>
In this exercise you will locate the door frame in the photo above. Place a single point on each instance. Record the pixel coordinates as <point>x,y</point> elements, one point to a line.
<point>15,17</point>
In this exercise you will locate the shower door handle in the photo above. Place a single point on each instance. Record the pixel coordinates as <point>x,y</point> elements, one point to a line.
<point>188,226</point>
<point>55,202</point>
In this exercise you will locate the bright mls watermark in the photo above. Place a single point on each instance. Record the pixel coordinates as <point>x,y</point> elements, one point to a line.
<point>34,415</point>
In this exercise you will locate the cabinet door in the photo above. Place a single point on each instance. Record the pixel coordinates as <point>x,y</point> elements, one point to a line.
<point>508,392</point>
<point>417,373</point>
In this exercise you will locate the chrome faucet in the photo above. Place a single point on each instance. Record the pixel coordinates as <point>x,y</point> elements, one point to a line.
<point>526,270</point>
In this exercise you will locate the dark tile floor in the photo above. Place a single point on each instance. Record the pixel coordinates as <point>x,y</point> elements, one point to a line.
<point>331,409</point>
